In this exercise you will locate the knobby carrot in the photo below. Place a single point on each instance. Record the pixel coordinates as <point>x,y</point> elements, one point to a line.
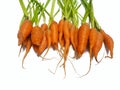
<point>109,43</point>
<point>54,35</point>
<point>83,35</point>
<point>36,35</point>
<point>24,31</point>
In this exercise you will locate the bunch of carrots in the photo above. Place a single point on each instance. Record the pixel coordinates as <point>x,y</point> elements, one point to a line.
<point>63,34</point>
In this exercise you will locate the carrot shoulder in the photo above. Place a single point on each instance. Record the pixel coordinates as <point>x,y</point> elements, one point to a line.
<point>44,27</point>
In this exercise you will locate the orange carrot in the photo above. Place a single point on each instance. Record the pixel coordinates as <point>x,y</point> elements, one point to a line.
<point>54,35</point>
<point>44,27</point>
<point>72,36</point>
<point>48,38</point>
<point>24,31</point>
<point>76,38</point>
<point>92,41</point>
<point>36,35</point>
<point>28,45</point>
<point>66,33</point>
<point>109,43</point>
<point>98,45</point>
<point>60,30</point>
<point>35,48</point>
<point>43,45</point>
<point>83,35</point>
<point>96,48</point>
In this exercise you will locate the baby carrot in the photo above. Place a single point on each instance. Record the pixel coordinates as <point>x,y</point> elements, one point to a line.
<point>24,31</point>
<point>66,33</point>
<point>60,30</point>
<point>98,45</point>
<point>92,41</point>
<point>54,35</point>
<point>109,43</point>
<point>83,35</point>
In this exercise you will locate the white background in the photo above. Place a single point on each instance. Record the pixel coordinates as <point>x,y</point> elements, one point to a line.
<point>36,76</point>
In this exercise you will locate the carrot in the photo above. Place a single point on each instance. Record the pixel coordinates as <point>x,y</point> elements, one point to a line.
<point>54,35</point>
<point>98,45</point>
<point>28,45</point>
<point>109,43</point>
<point>75,41</point>
<point>83,35</point>
<point>96,48</point>
<point>66,34</point>
<point>72,37</point>
<point>48,38</point>
<point>24,31</point>
<point>44,27</point>
<point>60,31</point>
<point>92,40</point>
<point>43,45</point>
<point>36,35</point>
<point>76,37</point>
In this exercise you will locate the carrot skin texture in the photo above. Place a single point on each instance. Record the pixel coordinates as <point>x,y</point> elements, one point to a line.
<point>109,43</point>
<point>54,35</point>
<point>92,40</point>
<point>44,27</point>
<point>76,38</point>
<point>72,37</point>
<point>48,38</point>
<point>98,45</point>
<point>36,35</point>
<point>24,31</point>
<point>60,31</point>
<point>43,45</point>
<point>83,35</point>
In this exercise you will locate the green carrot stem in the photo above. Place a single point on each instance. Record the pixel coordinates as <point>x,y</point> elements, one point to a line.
<point>85,16</point>
<point>97,24</point>
<point>23,7</point>
<point>92,14</point>
<point>52,11</point>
